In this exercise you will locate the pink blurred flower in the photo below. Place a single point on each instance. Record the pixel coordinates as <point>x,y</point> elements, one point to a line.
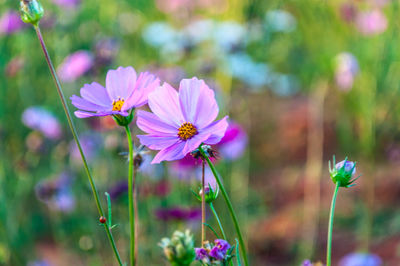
<point>67,3</point>
<point>175,6</point>
<point>40,119</point>
<point>10,22</point>
<point>75,65</point>
<point>234,143</point>
<point>346,70</point>
<point>371,22</point>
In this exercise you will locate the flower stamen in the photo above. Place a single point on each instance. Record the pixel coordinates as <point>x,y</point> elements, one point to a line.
<point>117,105</point>
<point>187,131</point>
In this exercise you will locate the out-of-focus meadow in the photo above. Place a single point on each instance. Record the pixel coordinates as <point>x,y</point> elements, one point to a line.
<point>300,80</point>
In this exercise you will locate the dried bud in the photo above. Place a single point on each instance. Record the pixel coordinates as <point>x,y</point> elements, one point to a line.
<point>31,11</point>
<point>208,150</point>
<point>102,220</point>
<point>343,172</point>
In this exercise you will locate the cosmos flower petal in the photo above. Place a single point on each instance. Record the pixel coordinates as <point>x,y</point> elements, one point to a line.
<point>83,104</point>
<point>194,143</point>
<point>157,142</point>
<point>150,123</point>
<point>83,114</point>
<point>164,102</point>
<point>145,84</point>
<point>120,82</point>
<point>217,130</point>
<point>197,102</point>
<point>96,94</point>
<point>171,153</point>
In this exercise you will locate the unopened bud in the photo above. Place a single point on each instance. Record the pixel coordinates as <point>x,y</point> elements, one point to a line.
<point>343,172</point>
<point>31,11</point>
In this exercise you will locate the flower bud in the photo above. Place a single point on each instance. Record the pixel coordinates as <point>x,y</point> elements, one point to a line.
<point>343,172</point>
<point>179,249</point>
<point>31,11</point>
<point>210,193</point>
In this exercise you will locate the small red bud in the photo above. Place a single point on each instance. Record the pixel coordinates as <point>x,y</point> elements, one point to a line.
<point>102,219</point>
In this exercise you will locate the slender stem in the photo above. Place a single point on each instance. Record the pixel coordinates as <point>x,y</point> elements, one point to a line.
<point>203,206</point>
<point>130,195</point>
<point>330,227</point>
<point>229,204</point>
<point>75,135</point>
<point>218,220</point>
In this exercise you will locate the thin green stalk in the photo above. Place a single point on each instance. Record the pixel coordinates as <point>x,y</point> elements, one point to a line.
<point>229,204</point>
<point>330,227</point>
<point>218,220</point>
<point>130,196</point>
<point>75,135</point>
<point>203,206</point>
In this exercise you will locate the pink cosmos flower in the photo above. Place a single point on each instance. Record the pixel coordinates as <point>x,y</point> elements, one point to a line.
<point>10,22</point>
<point>234,143</point>
<point>67,3</point>
<point>371,22</point>
<point>180,122</point>
<point>123,91</point>
<point>75,65</point>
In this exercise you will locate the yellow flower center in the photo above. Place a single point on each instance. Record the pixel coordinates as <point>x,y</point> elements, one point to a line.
<point>117,105</point>
<point>187,131</point>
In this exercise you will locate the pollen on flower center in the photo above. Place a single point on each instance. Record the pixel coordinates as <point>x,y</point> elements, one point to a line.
<point>186,131</point>
<point>117,105</point>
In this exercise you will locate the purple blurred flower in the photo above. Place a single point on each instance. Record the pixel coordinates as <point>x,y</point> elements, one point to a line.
<point>106,50</point>
<point>234,143</point>
<point>123,92</point>
<point>201,253</point>
<point>118,189</point>
<point>371,22</point>
<point>91,144</point>
<point>10,22</point>
<point>56,193</point>
<point>219,250</point>
<point>348,12</point>
<point>360,259</point>
<point>75,66</point>
<point>180,122</point>
<point>40,119</point>
<point>178,213</point>
<point>67,3</point>
<point>307,263</point>
<point>346,70</point>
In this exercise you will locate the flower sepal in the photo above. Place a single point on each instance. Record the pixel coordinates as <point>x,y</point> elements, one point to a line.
<point>31,11</point>
<point>210,196</point>
<point>343,172</point>
<point>124,121</point>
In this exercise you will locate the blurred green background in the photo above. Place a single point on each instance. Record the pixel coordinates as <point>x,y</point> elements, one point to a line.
<point>303,79</point>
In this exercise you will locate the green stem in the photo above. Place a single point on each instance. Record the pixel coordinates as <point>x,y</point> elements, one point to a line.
<point>131,187</point>
<point>203,207</point>
<point>75,135</point>
<point>228,203</point>
<point>330,227</point>
<point>218,220</point>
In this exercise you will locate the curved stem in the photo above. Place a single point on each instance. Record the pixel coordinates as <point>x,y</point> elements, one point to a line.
<point>203,206</point>
<point>218,220</point>
<point>75,135</point>
<point>229,204</point>
<point>131,187</point>
<point>330,227</point>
